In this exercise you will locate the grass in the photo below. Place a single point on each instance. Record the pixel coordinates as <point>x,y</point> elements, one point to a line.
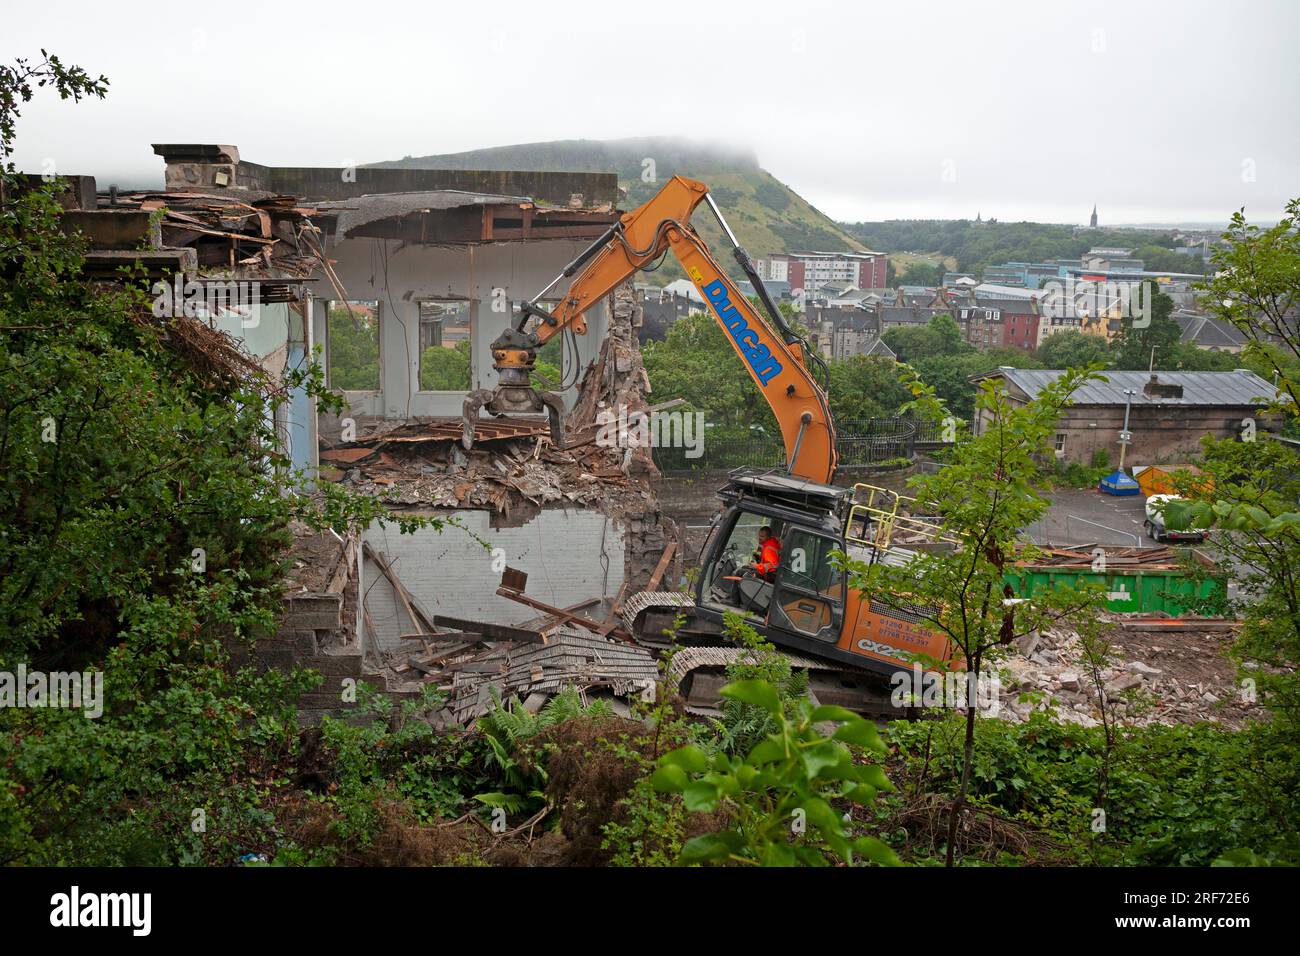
<point>901,260</point>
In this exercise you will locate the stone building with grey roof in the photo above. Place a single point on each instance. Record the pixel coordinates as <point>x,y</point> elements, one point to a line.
<point>1170,412</point>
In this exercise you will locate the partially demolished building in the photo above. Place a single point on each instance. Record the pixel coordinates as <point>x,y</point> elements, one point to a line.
<point>406,250</point>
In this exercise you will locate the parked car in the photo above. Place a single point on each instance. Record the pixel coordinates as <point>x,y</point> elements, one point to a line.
<point>1155,522</point>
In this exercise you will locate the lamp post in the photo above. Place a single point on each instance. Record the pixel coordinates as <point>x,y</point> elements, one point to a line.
<point>1125,436</point>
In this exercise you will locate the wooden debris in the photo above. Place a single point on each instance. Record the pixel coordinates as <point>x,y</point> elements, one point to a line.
<point>574,658</point>
<point>556,612</point>
<point>661,567</point>
<point>346,564</point>
<point>1162,559</point>
<point>491,632</point>
<point>417,615</point>
<point>1176,625</point>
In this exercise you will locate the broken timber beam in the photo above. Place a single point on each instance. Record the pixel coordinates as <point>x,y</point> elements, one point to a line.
<point>490,632</point>
<point>343,570</point>
<point>368,639</point>
<point>556,612</point>
<point>661,567</point>
<point>614,619</point>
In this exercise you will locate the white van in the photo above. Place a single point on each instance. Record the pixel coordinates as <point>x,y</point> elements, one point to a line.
<point>1155,523</point>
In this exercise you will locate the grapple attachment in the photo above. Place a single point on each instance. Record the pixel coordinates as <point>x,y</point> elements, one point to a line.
<point>514,355</point>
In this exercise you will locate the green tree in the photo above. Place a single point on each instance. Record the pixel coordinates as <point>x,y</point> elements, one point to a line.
<point>911,342</point>
<point>1160,259</point>
<point>989,492</point>
<point>445,369</point>
<point>1251,498</point>
<point>990,243</point>
<point>1150,331</point>
<point>1254,493</point>
<point>948,334</point>
<point>144,512</point>
<point>951,374</point>
<point>941,335</point>
<point>1073,349</point>
<point>697,363</point>
<point>1192,358</point>
<point>865,387</point>
<point>354,350</point>
<point>1256,287</point>
<point>922,273</point>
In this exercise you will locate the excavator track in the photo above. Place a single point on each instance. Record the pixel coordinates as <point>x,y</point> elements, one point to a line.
<point>699,666</point>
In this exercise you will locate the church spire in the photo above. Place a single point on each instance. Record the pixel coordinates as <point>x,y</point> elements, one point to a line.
<point>1093,223</point>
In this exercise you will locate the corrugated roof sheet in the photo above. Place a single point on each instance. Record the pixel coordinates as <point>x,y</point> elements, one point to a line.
<point>1235,388</point>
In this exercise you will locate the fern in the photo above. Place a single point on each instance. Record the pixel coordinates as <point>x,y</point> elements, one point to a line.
<point>568,704</point>
<point>508,725</point>
<point>743,725</point>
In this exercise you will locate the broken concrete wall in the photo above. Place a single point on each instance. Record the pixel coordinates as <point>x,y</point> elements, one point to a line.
<point>492,277</point>
<point>582,520</point>
<point>570,555</point>
<point>317,624</point>
<point>316,632</point>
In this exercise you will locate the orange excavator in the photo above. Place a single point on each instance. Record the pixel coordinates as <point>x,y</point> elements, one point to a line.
<point>849,643</point>
<point>777,360</point>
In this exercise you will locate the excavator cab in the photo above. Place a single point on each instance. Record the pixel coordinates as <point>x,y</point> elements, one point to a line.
<point>803,599</point>
<point>735,579</point>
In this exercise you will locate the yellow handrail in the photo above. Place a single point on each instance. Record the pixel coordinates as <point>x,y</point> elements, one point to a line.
<point>873,521</point>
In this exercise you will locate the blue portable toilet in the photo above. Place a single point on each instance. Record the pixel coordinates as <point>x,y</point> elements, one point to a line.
<point>1119,484</point>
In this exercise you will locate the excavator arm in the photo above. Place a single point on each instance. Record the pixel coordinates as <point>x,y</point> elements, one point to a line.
<point>773,354</point>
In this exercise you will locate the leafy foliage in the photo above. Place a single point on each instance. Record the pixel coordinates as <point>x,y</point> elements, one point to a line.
<point>443,369</point>
<point>1256,287</point>
<point>696,362</point>
<point>779,797</point>
<point>124,453</point>
<point>991,488</point>
<point>864,386</point>
<point>1073,349</point>
<point>742,724</point>
<point>354,350</point>
<point>507,726</point>
<point>1176,796</point>
<point>1253,491</point>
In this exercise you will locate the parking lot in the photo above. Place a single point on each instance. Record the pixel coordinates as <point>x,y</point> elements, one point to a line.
<point>1087,516</point>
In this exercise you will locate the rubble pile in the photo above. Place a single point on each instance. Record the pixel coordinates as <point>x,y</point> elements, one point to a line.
<point>1146,559</point>
<point>571,658</point>
<point>485,663</point>
<point>616,380</point>
<point>514,469</point>
<point>1166,671</point>
<point>421,463</point>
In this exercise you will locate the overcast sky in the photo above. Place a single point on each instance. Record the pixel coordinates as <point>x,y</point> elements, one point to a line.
<point>1021,109</point>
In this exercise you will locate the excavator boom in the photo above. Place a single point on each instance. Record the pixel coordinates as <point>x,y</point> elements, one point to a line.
<point>773,354</point>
